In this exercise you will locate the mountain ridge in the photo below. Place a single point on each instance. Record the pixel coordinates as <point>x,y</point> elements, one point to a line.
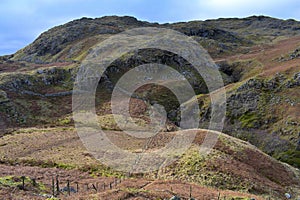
<point>210,29</point>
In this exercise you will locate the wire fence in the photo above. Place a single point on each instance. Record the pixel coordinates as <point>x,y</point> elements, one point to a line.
<point>66,187</point>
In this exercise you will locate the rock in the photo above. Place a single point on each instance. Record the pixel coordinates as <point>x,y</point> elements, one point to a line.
<point>288,196</point>
<point>175,198</point>
<point>3,97</point>
<point>242,102</point>
<point>31,93</point>
<point>59,94</point>
<point>280,77</point>
<point>40,71</point>
<point>250,84</point>
<point>298,143</point>
<point>28,82</point>
<point>297,76</point>
<point>271,84</point>
<point>65,189</point>
<point>293,82</point>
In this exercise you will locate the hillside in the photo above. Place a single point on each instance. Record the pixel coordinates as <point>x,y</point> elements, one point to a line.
<point>258,58</point>
<point>233,164</point>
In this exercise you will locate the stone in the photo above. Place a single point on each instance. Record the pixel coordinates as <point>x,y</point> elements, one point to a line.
<point>288,196</point>
<point>40,71</point>
<point>175,198</point>
<point>3,97</point>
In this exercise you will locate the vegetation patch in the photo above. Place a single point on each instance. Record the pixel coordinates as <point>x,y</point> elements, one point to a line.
<point>249,120</point>
<point>291,157</point>
<point>17,182</point>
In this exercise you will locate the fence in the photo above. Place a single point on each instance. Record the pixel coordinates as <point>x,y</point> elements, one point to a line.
<point>58,187</point>
<point>67,187</point>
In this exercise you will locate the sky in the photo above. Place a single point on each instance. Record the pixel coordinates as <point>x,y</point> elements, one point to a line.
<point>22,21</point>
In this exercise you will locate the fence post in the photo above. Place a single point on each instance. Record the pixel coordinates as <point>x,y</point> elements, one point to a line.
<point>57,186</point>
<point>23,182</point>
<point>68,187</point>
<point>33,182</point>
<point>53,187</point>
<point>77,187</point>
<point>110,186</point>
<point>94,187</point>
<point>190,191</point>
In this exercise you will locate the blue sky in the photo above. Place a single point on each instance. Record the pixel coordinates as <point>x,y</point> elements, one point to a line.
<point>21,21</point>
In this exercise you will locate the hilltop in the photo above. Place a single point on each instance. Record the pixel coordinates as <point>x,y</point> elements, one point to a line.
<point>70,41</point>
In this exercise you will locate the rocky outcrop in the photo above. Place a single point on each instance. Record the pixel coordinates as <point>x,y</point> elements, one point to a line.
<point>35,82</point>
<point>243,102</point>
<point>3,97</point>
<point>205,30</point>
<point>290,56</point>
<point>294,82</point>
<point>56,39</point>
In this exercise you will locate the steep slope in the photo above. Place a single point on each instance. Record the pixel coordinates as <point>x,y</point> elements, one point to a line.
<point>263,104</point>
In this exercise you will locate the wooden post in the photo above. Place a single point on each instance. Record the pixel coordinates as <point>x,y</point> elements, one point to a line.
<point>23,182</point>
<point>53,187</point>
<point>33,182</point>
<point>110,186</point>
<point>94,187</point>
<point>77,187</point>
<point>57,186</point>
<point>219,196</point>
<point>103,186</point>
<point>68,187</point>
<point>190,191</point>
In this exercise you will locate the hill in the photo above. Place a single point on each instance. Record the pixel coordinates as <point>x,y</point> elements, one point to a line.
<point>232,165</point>
<point>258,58</point>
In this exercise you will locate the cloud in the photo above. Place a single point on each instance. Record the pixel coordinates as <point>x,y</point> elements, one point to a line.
<point>238,8</point>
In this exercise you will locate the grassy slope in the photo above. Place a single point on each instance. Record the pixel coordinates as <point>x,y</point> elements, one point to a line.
<point>233,164</point>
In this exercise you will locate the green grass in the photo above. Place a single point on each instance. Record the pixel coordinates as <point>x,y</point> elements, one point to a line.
<point>249,119</point>
<point>193,167</point>
<point>13,181</point>
<point>65,121</point>
<point>108,122</point>
<point>291,157</point>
